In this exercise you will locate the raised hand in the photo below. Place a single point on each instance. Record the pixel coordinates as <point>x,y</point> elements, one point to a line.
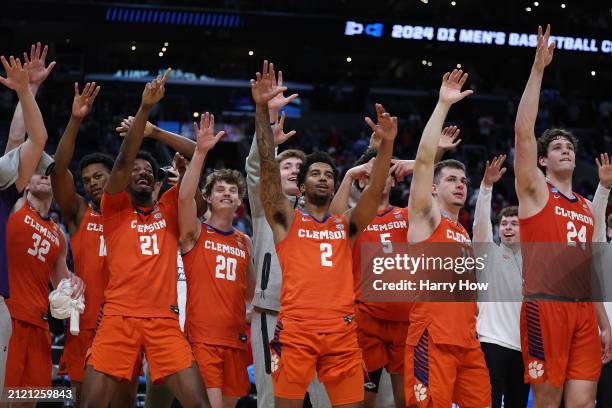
<point>604,168</point>
<point>450,91</point>
<point>401,168</point>
<point>280,136</point>
<point>544,52</point>
<point>494,171</point>
<point>279,101</point>
<point>35,64</point>
<point>448,139</point>
<point>180,165</point>
<point>205,134</point>
<point>386,126</point>
<point>362,171</point>
<point>16,76</point>
<point>264,87</point>
<point>82,103</point>
<point>126,123</point>
<point>154,90</point>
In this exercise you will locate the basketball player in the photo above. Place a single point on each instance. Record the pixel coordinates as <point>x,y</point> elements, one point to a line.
<point>37,254</point>
<point>140,311</point>
<point>604,258</point>
<point>219,271</point>
<point>560,344</point>
<point>498,319</point>
<point>315,330</point>
<point>444,362</point>
<point>16,169</point>
<point>266,301</point>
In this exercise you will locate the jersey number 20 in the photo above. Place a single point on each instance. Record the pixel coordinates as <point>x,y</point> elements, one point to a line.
<point>226,268</point>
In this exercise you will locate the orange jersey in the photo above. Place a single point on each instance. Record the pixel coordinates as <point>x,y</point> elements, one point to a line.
<point>33,247</point>
<point>452,323</point>
<point>141,248</point>
<point>388,227</point>
<point>560,269</point>
<point>216,269</point>
<point>89,256</point>
<point>316,263</point>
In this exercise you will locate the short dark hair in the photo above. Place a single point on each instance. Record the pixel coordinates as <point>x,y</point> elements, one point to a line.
<point>511,211</point>
<point>94,158</point>
<point>229,176</point>
<point>315,157</point>
<point>550,135</point>
<point>286,154</point>
<point>368,155</point>
<point>146,156</point>
<point>451,163</point>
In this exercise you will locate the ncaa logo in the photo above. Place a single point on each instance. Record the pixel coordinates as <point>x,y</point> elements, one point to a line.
<point>340,226</point>
<point>157,216</point>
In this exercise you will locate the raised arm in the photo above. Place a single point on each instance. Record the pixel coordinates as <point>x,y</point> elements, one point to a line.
<point>189,225</point>
<point>37,73</point>
<point>72,205</point>
<point>17,80</point>
<point>421,204</point>
<point>600,200</point>
<point>365,210</point>
<point>483,228</point>
<point>340,202</point>
<point>530,182</point>
<point>120,174</point>
<point>277,207</point>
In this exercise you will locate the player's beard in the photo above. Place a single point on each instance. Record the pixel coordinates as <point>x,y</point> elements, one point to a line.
<point>319,199</point>
<point>142,198</point>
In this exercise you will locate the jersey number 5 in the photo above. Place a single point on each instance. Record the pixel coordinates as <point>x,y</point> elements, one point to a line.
<point>40,248</point>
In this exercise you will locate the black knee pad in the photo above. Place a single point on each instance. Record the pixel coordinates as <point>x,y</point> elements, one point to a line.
<point>371,384</point>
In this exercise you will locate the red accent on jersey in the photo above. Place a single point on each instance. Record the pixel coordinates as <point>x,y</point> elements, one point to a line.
<point>33,247</point>
<point>316,263</point>
<point>451,323</point>
<point>89,256</point>
<point>141,248</point>
<point>388,227</point>
<point>562,269</point>
<point>216,270</point>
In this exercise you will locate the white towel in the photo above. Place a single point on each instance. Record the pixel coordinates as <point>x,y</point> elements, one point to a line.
<point>63,306</point>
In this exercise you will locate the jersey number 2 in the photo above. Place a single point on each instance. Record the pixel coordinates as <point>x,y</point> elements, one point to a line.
<point>40,248</point>
<point>326,254</point>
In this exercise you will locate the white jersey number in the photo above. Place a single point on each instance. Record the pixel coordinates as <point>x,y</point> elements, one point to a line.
<point>102,248</point>
<point>148,245</point>
<point>326,254</point>
<point>226,268</point>
<point>387,245</point>
<point>575,235</point>
<point>40,247</point>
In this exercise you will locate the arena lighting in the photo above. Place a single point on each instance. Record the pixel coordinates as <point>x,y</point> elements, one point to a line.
<point>150,15</point>
<point>474,36</point>
<point>166,44</point>
<point>161,54</point>
<point>528,9</point>
<point>453,3</point>
<point>593,73</point>
<point>429,64</point>
<point>251,53</point>
<point>562,5</point>
<point>458,65</point>
<point>133,48</point>
<point>349,59</point>
<point>535,3</point>
<point>196,114</point>
<point>164,49</point>
<point>424,62</point>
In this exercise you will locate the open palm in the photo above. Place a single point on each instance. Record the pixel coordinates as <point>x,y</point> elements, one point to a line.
<point>82,103</point>
<point>544,52</point>
<point>264,87</point>
<point>604,168</point>
<point>205,134</point>
<point>450,91</point>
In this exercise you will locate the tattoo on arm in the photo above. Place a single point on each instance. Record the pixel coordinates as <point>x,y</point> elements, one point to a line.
<point>272,197</point>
